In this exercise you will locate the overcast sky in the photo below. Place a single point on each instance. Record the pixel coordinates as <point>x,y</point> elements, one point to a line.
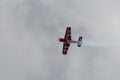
<point>29,46</point>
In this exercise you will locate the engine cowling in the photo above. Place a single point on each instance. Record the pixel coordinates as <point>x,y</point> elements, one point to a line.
<point>62,40</point>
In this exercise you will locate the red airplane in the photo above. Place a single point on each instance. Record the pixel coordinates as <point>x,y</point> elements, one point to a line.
<point>67,40</point>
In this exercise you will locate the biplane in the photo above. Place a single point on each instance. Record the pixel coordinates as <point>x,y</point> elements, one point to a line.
<point>67,40</point>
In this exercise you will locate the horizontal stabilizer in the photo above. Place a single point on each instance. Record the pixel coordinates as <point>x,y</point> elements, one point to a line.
<point>79,41</point>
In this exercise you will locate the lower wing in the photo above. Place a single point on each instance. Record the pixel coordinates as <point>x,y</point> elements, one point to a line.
<point>65,48</point>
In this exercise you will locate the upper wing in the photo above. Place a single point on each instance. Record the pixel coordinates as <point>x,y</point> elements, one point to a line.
<point>68,33</point>
<point>65,48</point>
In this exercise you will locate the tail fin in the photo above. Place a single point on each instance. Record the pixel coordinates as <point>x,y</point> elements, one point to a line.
<point>79,41</point>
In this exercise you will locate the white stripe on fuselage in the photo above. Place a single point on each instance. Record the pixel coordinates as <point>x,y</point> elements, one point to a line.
<point>71,41</point>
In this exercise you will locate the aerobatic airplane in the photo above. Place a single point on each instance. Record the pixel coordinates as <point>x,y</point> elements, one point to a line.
<point>67,41</point>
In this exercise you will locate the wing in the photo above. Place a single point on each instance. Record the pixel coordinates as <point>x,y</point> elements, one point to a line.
<point>68,33</point>
<point>65,48</point>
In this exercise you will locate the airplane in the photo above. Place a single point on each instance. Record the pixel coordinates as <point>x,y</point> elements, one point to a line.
<point>67,40</point>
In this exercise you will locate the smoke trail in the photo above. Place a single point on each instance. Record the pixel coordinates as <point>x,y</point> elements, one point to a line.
<point>104,44</point>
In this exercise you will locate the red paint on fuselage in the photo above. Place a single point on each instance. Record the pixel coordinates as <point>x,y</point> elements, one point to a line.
<point>67,41</point>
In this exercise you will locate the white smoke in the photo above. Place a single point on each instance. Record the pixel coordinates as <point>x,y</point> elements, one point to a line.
<point>101,44</point>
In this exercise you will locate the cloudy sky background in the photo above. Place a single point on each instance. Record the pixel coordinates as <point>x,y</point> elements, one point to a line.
<point>29,32</point>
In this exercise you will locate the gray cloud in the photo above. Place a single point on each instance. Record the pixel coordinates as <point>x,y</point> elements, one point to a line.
<point>29,47</point>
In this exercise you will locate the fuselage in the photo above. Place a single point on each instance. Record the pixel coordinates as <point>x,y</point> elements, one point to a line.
<point>67,41</point>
